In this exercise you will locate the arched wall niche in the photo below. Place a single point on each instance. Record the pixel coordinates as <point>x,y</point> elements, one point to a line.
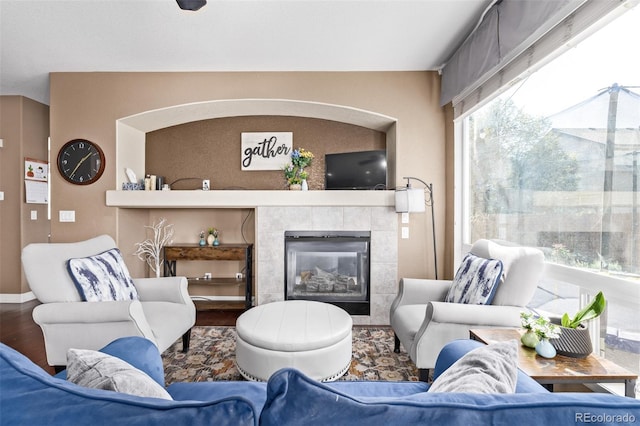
<point>131,131</point>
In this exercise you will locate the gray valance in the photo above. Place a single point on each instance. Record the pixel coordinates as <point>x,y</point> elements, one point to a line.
<point>507,29</point>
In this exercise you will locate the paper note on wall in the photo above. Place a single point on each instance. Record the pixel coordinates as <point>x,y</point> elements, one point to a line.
<point>36,181</point>
<point>36,192</point>
<point>36,169</point>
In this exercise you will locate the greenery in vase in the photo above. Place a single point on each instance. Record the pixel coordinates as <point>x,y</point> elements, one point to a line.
<point>292,175</point>
<point>589,312</point>
<point>540,325</point>
<point>214,232</point>
<point>295,172</point>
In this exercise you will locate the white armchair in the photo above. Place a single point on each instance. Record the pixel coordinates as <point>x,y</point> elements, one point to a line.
<point>423,322</point>
<point>163,313</point>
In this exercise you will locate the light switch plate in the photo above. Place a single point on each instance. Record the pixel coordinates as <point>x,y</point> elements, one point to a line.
<point>1,195</point>
<point>405,217</point>
<point>405,232</point>
<point>34,214</point>
<point>67,215</point>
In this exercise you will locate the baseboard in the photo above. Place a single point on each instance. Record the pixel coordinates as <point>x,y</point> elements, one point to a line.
<point>16,298</point>
<point>218,298</point>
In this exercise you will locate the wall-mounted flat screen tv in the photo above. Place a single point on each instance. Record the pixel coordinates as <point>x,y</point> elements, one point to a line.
<point>356,170</point>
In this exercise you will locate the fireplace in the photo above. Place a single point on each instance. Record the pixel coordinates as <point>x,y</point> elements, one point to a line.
<point>329,266</point>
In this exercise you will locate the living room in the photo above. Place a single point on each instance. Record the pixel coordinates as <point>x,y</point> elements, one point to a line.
<point>403,111</point>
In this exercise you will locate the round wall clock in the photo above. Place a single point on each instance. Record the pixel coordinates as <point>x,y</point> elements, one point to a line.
<point>81,162</point>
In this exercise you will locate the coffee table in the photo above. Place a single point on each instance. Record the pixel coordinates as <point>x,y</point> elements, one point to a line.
<point>560,369</point>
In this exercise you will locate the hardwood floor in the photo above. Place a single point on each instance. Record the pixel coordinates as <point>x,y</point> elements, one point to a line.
<point>18,330</point>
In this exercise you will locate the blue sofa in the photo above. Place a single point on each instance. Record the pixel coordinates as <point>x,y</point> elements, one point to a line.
<point>30,396</point>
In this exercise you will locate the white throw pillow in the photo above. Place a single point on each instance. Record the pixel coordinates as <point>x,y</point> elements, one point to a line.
<point>103,277</point>
<point>475,281</point>
<point>487,369</point>
<point>97,370</point>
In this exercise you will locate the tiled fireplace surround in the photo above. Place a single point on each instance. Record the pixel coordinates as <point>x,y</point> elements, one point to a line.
<point>272,222</point>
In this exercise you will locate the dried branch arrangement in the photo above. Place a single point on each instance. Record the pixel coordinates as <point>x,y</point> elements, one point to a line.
<point>150,250</point>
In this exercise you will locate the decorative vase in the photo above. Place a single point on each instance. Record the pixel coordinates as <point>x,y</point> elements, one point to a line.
<point>210,239</point>
<point>295,187</point>
<point>545,349</point>
<point>304,186</point>
<point>530,339</point>
<point>203,242</point>
<point>216,242</point>
<point>573,342</point>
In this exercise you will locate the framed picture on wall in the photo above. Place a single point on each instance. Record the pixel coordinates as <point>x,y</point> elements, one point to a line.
<point>265,150</point>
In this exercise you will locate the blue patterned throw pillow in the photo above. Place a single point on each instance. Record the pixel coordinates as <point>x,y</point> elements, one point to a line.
<point>476,281</point>
<point>103,277</point>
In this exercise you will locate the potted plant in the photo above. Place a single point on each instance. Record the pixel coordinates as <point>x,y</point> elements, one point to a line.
<point>295,172</point>
<point>292,176</point>
<point>574,341</point>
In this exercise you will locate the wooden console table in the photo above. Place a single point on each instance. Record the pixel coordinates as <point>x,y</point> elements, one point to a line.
<point>560,369</point>
<point>174,253</point>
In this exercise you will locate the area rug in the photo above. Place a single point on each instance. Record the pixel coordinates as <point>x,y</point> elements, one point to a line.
<point>212,352</point>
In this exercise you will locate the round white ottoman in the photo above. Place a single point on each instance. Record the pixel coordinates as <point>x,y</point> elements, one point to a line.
<point>313,337</point>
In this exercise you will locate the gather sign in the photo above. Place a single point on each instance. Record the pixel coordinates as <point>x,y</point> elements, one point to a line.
<point>265,150</point>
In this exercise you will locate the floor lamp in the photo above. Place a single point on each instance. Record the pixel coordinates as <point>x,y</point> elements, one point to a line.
<point>412,200</point>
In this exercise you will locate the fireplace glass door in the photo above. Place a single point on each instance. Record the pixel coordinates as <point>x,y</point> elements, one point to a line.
<point>331,267</point>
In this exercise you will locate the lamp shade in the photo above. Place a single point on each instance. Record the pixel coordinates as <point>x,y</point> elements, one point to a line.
<point>410,200</point>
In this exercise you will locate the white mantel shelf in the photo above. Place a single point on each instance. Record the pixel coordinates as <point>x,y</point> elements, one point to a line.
<point>247,199</point>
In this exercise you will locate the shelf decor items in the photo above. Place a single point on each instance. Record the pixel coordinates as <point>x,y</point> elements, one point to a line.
<point>212,238</point>
<point>295,173</point>
<point>538,332</point>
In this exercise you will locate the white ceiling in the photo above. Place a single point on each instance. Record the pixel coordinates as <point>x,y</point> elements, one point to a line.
<point>39,37</point>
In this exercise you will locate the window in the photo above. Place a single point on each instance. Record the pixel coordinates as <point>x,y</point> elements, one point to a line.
<point>554,162</point>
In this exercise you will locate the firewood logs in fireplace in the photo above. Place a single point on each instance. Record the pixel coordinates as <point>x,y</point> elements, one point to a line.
<point>319,281</point>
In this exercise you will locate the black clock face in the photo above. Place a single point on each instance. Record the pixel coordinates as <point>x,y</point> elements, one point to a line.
<point>81,162</point>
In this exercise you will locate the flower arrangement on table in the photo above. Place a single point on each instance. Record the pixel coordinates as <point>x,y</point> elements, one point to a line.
<point>538,332</point>
<point>541,326</point>
<point>295,172</point>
